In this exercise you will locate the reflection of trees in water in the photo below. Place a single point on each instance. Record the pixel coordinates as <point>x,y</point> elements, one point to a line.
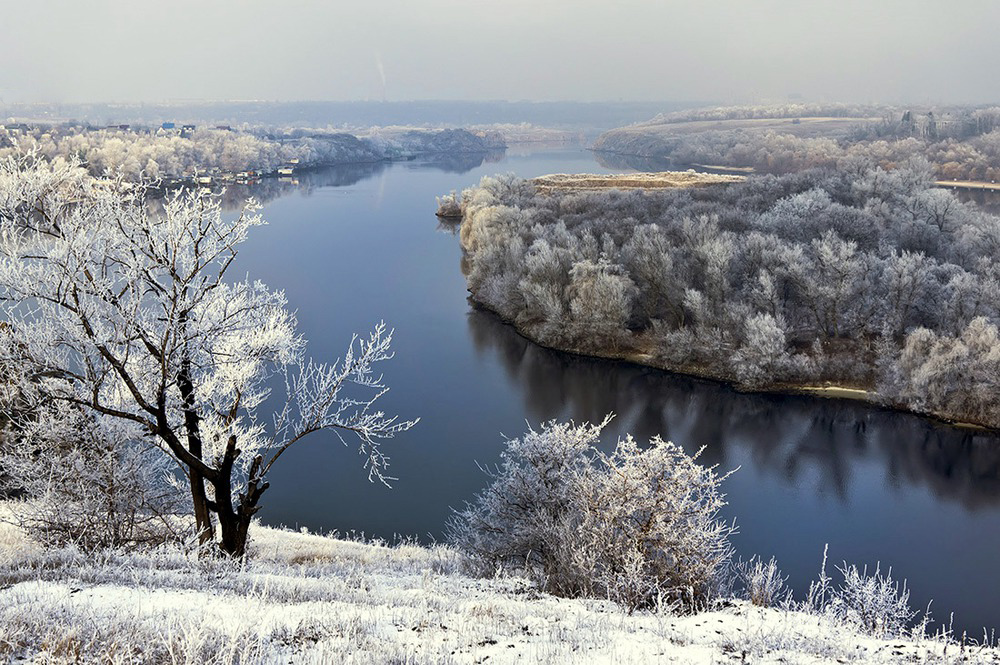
<point>234,195</point>
<point>305,182</point>
<point>791,436</point>
<point>343,175</point>
<point>449,226</point>
<point>986,199</point>
<point>459,162</point>
<point>612,160</point>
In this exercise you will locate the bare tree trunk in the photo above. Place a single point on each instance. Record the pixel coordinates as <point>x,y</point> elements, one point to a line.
<point>235,524</point>
<point>202,515</point>
<point>199,499</point>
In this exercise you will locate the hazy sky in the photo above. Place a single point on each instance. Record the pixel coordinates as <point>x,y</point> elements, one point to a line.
<point>721,50</point>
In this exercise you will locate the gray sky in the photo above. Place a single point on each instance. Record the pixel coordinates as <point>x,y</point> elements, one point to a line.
<point>725,50</point>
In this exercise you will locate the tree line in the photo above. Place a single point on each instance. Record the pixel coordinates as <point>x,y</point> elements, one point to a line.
<point>145,155</point>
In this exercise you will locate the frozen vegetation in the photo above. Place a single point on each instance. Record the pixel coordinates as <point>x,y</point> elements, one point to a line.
<point>638,526</point>
<point>139,424</point>
<point>960,143</point>
<point>305,598</point>
<point>858,276</point>
<point>177,153</point>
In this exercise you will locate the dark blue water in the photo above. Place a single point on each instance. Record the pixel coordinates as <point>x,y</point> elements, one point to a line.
<point>353,246</point>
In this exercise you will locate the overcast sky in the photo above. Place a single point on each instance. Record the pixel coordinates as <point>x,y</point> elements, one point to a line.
<point>727,51</point>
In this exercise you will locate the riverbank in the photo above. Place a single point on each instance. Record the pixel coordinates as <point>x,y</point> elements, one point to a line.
<point>771,140</point>
<point>306,598</point>
<point>648,359</point>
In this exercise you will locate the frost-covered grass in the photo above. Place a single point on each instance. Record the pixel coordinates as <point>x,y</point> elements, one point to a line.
<point>307,598</point>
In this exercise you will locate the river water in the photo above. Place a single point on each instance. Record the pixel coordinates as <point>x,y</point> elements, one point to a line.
<point>353,245</point>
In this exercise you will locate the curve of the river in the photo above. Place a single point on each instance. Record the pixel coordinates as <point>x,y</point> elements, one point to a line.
<point>353,245</point>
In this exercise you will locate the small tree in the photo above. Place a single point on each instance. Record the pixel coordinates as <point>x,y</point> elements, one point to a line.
<point>129,316</point>
<point>638,526</point>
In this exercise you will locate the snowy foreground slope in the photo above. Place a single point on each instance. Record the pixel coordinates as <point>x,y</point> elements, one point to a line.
<point>312,599</point>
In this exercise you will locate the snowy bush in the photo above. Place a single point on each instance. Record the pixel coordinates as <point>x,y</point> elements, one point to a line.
<point>763,351</point>
<point>449,205</point>
<point>763,584</point>
<point>875,604</point>
<point>87,482</point>
<point>638,526</point>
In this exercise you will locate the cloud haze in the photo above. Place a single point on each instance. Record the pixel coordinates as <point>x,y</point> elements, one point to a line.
<point>138,50</point>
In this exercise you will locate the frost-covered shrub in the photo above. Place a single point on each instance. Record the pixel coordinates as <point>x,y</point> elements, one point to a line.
<point>954,376</point>
<point>762,583</point>
<point>875,603</point>
<point>639,526</point>
<point>86,481</point>
<point>449,205</point>
<point>600,296</point>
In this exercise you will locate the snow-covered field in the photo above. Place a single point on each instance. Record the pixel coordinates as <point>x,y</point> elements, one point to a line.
<point>313,599</point>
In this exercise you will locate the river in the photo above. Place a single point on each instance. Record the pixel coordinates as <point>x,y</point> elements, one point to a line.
<point>353,245</point>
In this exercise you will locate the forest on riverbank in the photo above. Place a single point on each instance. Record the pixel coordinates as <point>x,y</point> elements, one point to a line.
<point>855,276</point>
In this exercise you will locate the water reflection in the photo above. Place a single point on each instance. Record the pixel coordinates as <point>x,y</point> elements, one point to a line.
<point>613,160</point>
<point>988,200</point>
<point>449,226</point>
<point>305,182</point>
<point>789,437</point>
<point>459,162</point>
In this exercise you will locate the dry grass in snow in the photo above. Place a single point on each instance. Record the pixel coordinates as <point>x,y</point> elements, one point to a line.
<point>589,182</point>
<point>311,599</point>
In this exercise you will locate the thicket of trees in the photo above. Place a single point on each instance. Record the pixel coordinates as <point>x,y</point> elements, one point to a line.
<point>857,275</point>
<point>976,158</point>
<point>134,154</point>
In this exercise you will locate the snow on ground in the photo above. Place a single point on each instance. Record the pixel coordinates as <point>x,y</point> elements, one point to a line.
<point>311,599</point>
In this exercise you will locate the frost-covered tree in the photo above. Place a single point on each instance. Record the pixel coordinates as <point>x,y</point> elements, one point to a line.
<point>956,377</point>
<point>129,316</point>
<point>600,297</point>
<point>763,351</point>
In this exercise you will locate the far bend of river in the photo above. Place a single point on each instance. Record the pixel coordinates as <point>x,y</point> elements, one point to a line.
<point>353,245</point>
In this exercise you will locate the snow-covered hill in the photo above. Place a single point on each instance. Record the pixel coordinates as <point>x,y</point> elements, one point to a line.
<point>313,599</point>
